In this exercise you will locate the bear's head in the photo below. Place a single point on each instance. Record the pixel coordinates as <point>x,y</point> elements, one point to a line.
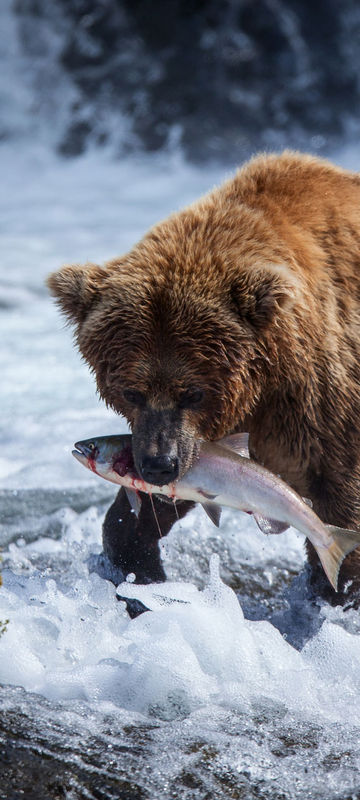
<point>180,337</point>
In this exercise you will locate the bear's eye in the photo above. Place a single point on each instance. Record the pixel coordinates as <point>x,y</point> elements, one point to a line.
<point>134,397</point>
<point>191,398</point>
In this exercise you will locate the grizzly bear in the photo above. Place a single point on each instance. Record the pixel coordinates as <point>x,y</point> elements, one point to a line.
<point>238,313</point>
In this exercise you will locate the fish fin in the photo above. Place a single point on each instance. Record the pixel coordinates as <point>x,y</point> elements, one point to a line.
<point>208,495</point>
<point>345,541</point>
<point>239,442</point>
<point>134,500</point>
<point>267,525</point>
<point>213,511</point>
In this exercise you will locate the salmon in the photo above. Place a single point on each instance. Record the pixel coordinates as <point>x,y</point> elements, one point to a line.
<point>224,475</point>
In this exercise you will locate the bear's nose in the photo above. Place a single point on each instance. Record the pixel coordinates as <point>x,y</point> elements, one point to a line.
<point>159,470</point>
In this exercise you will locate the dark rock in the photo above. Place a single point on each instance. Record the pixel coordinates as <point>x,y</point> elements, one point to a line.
<point>221,78</point>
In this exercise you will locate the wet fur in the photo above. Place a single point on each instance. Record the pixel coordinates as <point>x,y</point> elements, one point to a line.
<point>253,294</point>
<point>139,537</point>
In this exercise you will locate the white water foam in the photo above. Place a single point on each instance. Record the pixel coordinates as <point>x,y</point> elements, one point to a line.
<point>68,638</point>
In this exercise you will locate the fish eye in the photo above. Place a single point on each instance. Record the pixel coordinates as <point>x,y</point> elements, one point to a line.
<point>134,397</point>
<point>191,398</point>
<point>92,446</point>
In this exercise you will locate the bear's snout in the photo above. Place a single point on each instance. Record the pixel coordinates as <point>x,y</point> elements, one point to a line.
<point>163,445</point>
<point>159,470</point>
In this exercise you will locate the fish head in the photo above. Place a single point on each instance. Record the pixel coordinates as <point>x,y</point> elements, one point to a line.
<point>86,449</point>
<point>104,454</point>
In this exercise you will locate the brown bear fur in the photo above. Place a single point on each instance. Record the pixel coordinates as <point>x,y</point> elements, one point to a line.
<point>251,294</point>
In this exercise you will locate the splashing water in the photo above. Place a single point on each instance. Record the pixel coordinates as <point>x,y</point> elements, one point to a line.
<point>236,704</point>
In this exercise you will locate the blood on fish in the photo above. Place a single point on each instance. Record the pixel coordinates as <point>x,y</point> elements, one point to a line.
<point>124,462</point>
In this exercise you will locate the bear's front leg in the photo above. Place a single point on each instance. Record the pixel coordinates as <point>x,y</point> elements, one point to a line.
<point>132,543</point>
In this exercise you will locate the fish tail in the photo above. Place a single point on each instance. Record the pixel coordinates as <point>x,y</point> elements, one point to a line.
<point>345,541</point>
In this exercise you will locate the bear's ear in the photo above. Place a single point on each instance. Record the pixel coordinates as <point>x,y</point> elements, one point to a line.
<point>258,294</point>
<point>76,287</point>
